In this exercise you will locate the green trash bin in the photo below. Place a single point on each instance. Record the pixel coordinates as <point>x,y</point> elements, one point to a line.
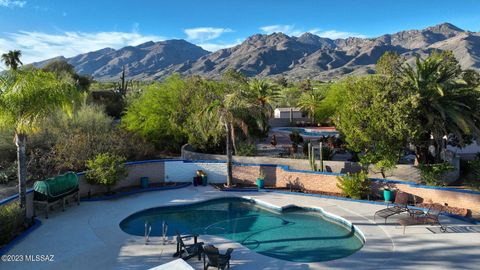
<point>204,180</point>
<point>144,182</point>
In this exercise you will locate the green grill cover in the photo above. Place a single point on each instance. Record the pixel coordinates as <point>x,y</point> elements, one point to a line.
<point>56,187</point>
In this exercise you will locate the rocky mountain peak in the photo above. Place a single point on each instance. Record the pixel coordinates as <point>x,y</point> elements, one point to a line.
<point>277,54</point>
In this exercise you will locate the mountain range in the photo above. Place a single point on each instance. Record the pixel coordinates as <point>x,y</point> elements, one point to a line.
<point>277,54</point>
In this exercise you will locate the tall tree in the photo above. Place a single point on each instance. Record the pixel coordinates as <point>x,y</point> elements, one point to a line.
<point>230,110</point>
<point>26,97</point>
<point>310,102</point>
<point>12,59</point>
<point>447,104</point>
<point>265,94</point>
<point>64,70</point>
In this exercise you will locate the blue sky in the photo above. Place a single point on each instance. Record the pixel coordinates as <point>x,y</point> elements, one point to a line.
<point>44,29</point>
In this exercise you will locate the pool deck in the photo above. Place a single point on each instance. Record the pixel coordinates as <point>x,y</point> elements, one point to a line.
<point>89,237</point>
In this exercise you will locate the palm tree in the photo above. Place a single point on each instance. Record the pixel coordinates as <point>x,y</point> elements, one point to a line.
<point>448,105</point>
<point>231,110</point>
<point>309,102</point>
<point>27,97</point>
<point>264,94</point>
<point>12,59</point>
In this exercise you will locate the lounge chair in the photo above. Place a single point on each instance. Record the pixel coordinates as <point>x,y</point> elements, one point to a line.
<point>400,205</point>
<point>428,218</point>
<point>212,257</point>
<point>187,251</point>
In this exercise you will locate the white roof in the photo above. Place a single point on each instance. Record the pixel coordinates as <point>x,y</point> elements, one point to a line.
<point>287,109</point>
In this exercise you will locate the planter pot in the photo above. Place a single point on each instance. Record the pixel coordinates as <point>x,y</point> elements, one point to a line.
<point>195,180</point>
<point>388,195</point>
<point>260,183</point>
<point>144,182</point>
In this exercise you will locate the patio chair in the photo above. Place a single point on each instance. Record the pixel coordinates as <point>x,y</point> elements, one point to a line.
<point>187,251</point>
<point>400,205</point>
<point>212,257</point>
<point>431,217</point>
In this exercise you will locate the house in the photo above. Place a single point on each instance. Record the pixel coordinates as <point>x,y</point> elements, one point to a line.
<point>284,113</point>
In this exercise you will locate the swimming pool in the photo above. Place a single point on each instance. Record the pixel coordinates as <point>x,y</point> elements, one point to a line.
<point>308,132</point>
<point>293,234</point>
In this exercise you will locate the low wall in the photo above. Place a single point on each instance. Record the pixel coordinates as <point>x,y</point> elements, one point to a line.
<point>160,171</point>
<point>15,198</point>
<point>285,122</point>
<point>181,171</point>
<point>153,169</point>
<point>401,172</point>
<point>281,176</point>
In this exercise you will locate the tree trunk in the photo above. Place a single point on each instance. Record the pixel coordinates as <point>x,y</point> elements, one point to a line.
<point>229,156</point>
<point>422,155</point>
<point>21,141</point>
<point>234,144</point>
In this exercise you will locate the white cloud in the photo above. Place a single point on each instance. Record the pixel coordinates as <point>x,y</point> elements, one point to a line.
<point>205,33</point>
<point>37,46</point>
<point>284,28</point>
<point>334,34</point>
<point>212,47</point>
<point>12,3</point>
<point>291,30</point>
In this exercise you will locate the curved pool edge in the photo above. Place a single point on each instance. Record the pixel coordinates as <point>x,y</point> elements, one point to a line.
<point>330,217</point>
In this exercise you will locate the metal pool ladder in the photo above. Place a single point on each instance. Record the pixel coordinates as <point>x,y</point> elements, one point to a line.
<point>148,230</point>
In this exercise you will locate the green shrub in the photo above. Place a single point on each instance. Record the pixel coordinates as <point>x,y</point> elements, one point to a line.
<point>327,153</point>
<point>354,185</point>
<point>431,174</point>
<point>295,137</point>
<point>246,149</point>
<point>66,141</point>
<point>8,172</point>
<point>106,169</point>
<point>471,173</point>
<point>11,222</point>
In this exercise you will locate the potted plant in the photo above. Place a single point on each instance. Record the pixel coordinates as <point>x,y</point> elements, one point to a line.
<point>261,179</point>
<point>387,194</point>
<point>106,169</point>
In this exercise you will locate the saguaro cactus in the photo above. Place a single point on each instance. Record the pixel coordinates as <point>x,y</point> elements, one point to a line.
<point>291,115</point>
<point>123,83</point>
<point>321,156</point>
<point>311,157</point>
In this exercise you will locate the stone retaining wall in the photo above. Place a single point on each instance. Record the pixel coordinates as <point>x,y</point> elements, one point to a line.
<point>401,172</point>
<point>280,176</point>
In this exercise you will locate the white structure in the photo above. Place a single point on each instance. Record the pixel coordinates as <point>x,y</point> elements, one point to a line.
<point>181,171</point>
<point>284,113</point>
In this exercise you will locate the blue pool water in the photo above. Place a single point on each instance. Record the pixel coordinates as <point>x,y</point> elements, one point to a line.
<point>312,133</point>
<point>294,234</point>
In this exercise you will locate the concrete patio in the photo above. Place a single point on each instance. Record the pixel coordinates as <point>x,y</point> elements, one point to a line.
<point>89,237</point>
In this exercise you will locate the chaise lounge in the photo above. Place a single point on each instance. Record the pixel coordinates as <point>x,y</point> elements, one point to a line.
<point>400,205</point>
<point>431,217</point>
